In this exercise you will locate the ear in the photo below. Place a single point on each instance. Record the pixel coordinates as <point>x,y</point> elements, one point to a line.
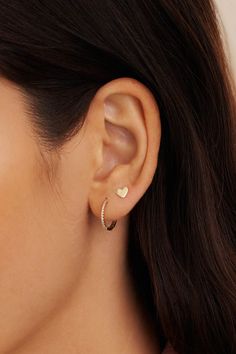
<point>125,121</point>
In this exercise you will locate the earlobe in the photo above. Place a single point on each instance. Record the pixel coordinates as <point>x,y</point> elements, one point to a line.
<point>122,193</point>
<point>130,126</point>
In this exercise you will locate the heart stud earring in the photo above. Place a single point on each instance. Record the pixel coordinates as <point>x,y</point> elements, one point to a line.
<point>122,192</point>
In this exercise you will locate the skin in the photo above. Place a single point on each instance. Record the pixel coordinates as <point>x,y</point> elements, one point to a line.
<point>65,285</point>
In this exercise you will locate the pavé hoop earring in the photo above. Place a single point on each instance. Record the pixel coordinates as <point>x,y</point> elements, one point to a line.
<point>113,223</point>
<point>121,192</point>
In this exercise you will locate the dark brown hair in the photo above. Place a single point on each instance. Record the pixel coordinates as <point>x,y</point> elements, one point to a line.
<point>182,247</point>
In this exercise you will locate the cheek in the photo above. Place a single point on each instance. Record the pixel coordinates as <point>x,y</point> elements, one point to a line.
<point>41,254</point>
<point>38,257</point>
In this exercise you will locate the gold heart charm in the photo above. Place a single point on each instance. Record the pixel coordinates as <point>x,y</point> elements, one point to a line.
<point>122,192</point>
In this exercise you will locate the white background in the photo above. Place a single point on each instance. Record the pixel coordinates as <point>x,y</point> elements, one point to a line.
<point>227,11</point>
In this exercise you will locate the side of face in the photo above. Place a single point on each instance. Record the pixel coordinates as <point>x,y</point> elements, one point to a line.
<point>39,263</point>
<point>51,201</point>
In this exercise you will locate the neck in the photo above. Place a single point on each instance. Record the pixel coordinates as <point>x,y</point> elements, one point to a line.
<point>102,313</point>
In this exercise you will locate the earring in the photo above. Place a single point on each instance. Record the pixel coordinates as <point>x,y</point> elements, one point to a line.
<point>122,193</point>
<point>113,223</point>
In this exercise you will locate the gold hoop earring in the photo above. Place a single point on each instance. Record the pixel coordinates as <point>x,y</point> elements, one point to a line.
<point>113,223</point>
